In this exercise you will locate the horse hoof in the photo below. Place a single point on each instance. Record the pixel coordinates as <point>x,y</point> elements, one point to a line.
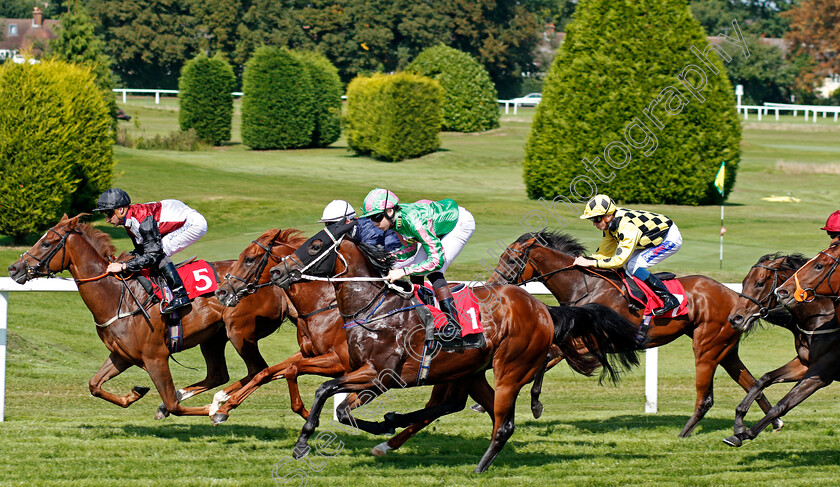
<point>141,391</point>
<point>380,450</point>
<point>300,451</point>
<point>478,408</point>
<point>778,424</point>
<point>733,441</point>
<point>537,409</point>
<point>218,419</point>
<point>161,413</point>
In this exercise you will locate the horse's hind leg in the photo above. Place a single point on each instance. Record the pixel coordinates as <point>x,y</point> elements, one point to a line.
<point>790,372</point>
<point>739,373</point>
<point>158,370</point>
<point>213,351</point>
<point>503,424</point>
<point>113,367</point>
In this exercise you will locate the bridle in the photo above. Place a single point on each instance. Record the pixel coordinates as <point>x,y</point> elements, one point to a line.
<point>764,310</point>
<point>252,279</point>
<point>44,262</point>
<point>544,276</point>
<point>807,295</point>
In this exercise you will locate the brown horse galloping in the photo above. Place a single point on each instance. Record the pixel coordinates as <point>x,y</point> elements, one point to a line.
<point>322,338</point>
<point>132,339</point>
<point>385,344</point>
<point>548,257</point>
<point>816,338</point>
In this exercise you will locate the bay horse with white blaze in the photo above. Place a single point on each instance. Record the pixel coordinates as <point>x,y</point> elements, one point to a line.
<point>385,348</point>
<point>548,257</point>
<point>134,340</point>
<point>815,332</point>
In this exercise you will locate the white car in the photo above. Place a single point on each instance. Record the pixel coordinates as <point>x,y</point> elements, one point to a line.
<point>529,100</point>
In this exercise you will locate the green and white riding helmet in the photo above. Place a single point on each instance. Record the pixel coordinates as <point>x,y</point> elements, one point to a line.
<point>377,201</point>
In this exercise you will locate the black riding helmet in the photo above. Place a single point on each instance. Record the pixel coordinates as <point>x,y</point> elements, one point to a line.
<point>111,199</point>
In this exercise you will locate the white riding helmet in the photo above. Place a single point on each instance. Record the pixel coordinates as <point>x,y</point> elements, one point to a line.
<point>337,210</point>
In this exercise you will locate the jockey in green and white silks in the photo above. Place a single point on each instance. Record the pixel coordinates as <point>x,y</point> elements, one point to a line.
<point>433,233</point>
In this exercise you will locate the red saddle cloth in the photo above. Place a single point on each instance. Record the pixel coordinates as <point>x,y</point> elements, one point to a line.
<point>468,311</point>
<point>198,277</point>
<point>653,301</point>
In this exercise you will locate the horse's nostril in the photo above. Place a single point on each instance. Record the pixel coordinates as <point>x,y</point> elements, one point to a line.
<point>781,293</point>
<point>736,319</point>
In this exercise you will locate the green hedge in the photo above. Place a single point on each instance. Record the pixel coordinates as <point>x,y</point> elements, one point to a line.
<point>326,95</point>
<point>278,110</point>
<point>205,98</point>
<point>469,100</point>
<point>394,117</point>
<point>55,147</point>
<point>618,58</point>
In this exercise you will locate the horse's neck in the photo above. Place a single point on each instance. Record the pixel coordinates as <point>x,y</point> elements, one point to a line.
<point>562,283</point>
<point>102,296</point>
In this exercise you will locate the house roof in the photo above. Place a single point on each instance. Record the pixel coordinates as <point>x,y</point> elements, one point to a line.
<point>29,36</point>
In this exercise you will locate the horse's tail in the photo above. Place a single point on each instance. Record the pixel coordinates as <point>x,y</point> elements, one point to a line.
<point>607,336</point>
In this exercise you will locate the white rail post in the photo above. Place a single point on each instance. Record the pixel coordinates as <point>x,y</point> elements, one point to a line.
<point>124,92</point>
<point>651,379</point>
<point>4,308</point>
<point>157,98</point>
<point>338,399</point>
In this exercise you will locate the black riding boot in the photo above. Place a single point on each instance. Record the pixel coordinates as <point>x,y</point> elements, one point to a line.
<point>179,294</point>
<point>449,335</point>
<point>669,301</point>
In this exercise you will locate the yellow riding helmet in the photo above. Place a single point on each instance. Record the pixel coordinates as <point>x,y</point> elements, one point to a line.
<point>600,204</point>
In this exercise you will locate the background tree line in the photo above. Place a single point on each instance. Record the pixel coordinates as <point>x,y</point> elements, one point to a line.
<point>150,40</point>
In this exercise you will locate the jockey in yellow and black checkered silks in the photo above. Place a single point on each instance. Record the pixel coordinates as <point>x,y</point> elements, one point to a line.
<point>635,240</point>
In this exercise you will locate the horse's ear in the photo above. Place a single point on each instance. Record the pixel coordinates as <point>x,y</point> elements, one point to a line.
<point>277,234</point>
<point>64,217</point>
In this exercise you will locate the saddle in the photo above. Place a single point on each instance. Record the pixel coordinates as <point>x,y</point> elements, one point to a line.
<point>195,274</point>
<point>465,301</point>
<point>640,296</point>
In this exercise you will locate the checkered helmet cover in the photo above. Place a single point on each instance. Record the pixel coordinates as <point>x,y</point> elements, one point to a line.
<point>377,201</point>
<point>600,204</point>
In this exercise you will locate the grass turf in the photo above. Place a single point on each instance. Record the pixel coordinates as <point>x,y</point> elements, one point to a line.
<point>56,434</point>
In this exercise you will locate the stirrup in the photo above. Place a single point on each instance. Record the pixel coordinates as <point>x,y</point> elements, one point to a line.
<point>175,304</point>
<point>666,308</point>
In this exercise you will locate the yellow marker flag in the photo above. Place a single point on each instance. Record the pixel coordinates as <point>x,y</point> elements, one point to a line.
<point>721,174</point>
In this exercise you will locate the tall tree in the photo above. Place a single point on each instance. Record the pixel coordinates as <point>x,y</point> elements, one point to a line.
<point>77,43</point>
<point>815,32</point>
<point>501,34</point>
<point>149,40</point>
<point>629,109</point>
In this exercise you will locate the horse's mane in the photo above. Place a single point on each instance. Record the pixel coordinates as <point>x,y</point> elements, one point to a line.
<point>790,262</point>
<point>289,236</point>
<point>381,260</point>
<point>98,239</point>
<point>557,241</point>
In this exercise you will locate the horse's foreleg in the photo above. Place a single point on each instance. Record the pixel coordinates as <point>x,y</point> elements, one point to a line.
<point>801,391</point>
<point>790,372</point>
<point>359,380</point>
<point>328,364</point>
<point>213,351</point>
<point>479,390</point>
<point>158,370</point>
<point>739,373</point>
<point>703,383</point>
<point>112,367</point>
<point>236,393</point>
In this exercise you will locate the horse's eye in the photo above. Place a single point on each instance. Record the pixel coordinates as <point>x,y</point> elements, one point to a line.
<point>818,267</point>
<point>759,284</point>
<point>315,247</point>
<point>46,244</point>
<point>249,260</point>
